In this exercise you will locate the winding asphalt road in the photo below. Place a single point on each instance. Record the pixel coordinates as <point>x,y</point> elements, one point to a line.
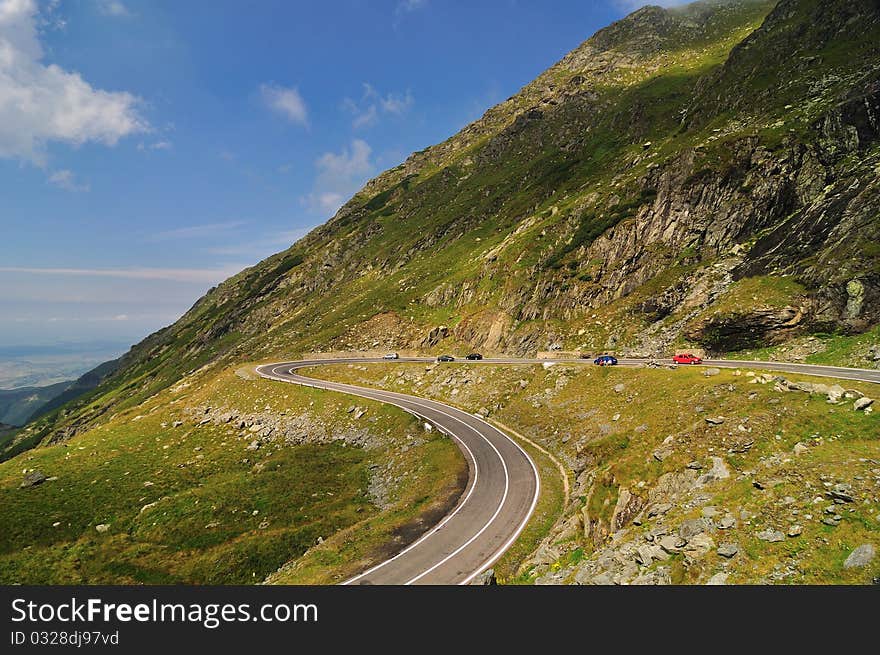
<point>503,482</point>
<point>501,494</point>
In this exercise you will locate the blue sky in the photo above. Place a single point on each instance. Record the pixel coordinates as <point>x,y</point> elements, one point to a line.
<point>148,150</point>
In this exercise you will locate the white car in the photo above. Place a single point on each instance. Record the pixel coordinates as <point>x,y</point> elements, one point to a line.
<point>391,356</point>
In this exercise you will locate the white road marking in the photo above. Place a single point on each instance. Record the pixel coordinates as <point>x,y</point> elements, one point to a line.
<point>389,398</point>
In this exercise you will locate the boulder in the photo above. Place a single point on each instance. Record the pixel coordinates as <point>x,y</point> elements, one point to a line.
<point>728,550</point>
<point>33,478</point>
<point>718,579</point>
<point>770,535</point>
<point>863,403</point>
<point>719,471</point>
<point>487,577</point>
<point>710,372</point>
<point>692,527</point>
<point>698,546</point>
<point>861,556</point>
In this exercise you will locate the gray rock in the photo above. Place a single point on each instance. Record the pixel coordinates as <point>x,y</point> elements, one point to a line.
<point>694,466</point>
<point>710,512</point>
<point>671,543</point>
<point>728,550</point>
<point>727,522</point>
<point>253,445</point>
<point>487,577</point>
<point>795,531</point>
<point>662,453</point>
<point>102,527</point>
<point>618,388</point>
<point>800,448</point>
<point>861,556</point>
<point>863,403</point>
<point>770,535</point>
<point>841,493</point>
<point>718,579</point>
<point>714,420</point>
<point>709,372</point>
<point>692,527</point>
<point>33,478</point>
<point>646,554</point>
<point>698,546</point>
<point>719,471</point>
<point>176,424</point>
<point>835,393</point>
<point>659,510</point>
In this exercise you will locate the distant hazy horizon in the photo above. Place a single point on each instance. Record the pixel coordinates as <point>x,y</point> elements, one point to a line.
<point>36,365</point>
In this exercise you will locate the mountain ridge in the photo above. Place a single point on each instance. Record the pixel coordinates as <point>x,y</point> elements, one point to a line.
<point>613,203</point>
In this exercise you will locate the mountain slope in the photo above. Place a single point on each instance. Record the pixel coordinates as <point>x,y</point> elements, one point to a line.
<point>631,197</point>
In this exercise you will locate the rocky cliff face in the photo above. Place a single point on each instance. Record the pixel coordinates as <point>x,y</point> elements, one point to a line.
<point>621,200</point>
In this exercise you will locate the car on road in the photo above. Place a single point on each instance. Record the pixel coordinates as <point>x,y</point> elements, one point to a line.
<point>391,356</point>
<point>446,358</point>
<point>686,358</point>
<point>474,356</point>
<point>605,360</point>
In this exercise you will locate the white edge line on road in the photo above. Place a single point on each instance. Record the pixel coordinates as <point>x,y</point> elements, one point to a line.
<point>520,528</point>
<point>449,516</point>
<point>488,523</point>
<point>498,553</point>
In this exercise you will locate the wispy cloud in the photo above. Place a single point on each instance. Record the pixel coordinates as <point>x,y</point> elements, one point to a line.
<point>367,109</point>
<point>65,179</point>
<point>263,247</point>
<point>198,231</point>
<point>404,7</point>
<point>44,103</point>
<point>115,8</point>
<point>285,101</point>
<point>339,176</point>
<point>194,275</point>
<point>631,5</point>
<point>158,145</point>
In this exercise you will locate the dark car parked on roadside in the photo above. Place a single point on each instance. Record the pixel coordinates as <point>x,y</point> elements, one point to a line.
<point>474,356</point>
<point>605,360</point>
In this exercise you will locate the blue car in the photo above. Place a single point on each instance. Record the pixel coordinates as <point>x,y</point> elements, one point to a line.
<point>605,360</point>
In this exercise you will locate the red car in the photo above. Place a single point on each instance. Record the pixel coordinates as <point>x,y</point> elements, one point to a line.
<point>687,358</point>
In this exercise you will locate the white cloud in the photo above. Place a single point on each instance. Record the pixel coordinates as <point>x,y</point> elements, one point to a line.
<point>339,176</point>
<point>113,8</point>
<point>631,5</point>
<point>409,6</point>
<point>262,247</point>
<point>366,111</point>
<point>158,145</point>
<point>285,101</point>
<point>397,104</point>
<point>197,231</point>
<point>365,118</point>
<point>200,275</point>
<point>42,103</point>
<point>65,179</point>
